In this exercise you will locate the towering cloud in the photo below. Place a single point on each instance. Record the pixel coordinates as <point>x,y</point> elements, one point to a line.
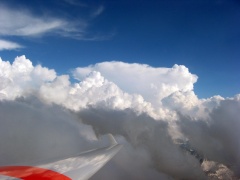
<point>152,83</point>
<point>167,132</point>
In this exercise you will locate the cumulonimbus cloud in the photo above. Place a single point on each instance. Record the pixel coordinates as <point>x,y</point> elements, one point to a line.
<point>175,135</point>
<point>157,84</point>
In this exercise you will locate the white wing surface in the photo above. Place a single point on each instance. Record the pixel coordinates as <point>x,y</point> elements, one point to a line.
<point>78,167</point>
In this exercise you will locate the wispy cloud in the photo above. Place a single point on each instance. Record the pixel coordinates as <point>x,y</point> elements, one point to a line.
<point>76,3</point>
<point>98,11</point>
<point>23,23</point>
<point>8,45</point>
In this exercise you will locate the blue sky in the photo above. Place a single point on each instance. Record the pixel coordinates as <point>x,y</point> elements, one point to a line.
<point>64,34</point>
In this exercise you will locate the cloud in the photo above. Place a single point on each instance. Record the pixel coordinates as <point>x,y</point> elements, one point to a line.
<point>98,11</point>
<point>23,23</point>
<point>217,136</point>
<point>217,171</point>
<point>139,165</point>
<point>75,3</point>
<point>148,140</point>
<point>32,131</point>
<point>132,78</point>
<point>8,45</point>
<point>165,129</point>
<point>21,77</point>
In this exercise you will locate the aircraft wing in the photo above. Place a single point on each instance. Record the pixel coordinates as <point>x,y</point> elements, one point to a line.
<point>79,167</point>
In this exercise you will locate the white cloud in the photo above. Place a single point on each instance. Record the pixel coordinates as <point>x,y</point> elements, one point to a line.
<point>153,112</point>
<point>22,77</point>
<point>23,23</point>
<point>152,83</point>
<point>8,45</point>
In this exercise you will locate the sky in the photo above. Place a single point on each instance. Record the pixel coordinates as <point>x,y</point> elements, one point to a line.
<point>201,35</point>
<point>161,77</point>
